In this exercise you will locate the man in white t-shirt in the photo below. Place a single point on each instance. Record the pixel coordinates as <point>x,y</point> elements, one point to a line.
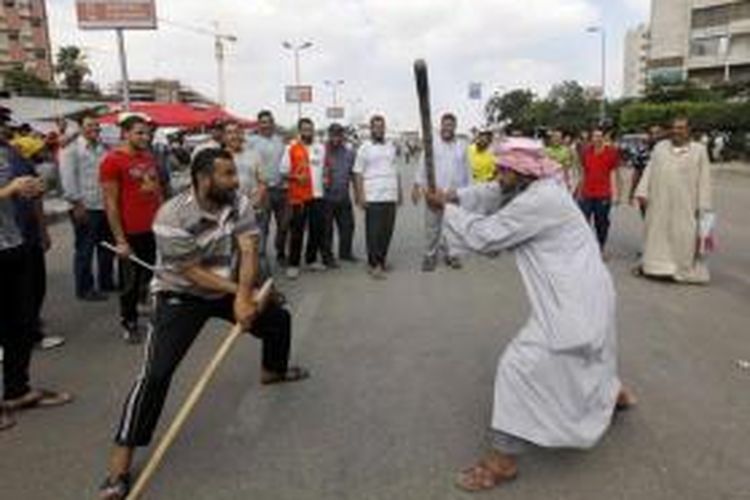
<point>378,192</point>
<point>248,164</point>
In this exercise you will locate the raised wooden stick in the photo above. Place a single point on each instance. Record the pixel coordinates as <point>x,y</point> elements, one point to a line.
<point>425,117</point>
<point>261,299</point>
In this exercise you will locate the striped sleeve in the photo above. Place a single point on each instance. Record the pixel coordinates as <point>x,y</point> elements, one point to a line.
<point>247,223</point>
<point>175,244</point>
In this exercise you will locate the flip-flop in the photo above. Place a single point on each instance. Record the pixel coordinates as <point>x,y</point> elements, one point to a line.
<point>39,398</point>
<point>292,374</point>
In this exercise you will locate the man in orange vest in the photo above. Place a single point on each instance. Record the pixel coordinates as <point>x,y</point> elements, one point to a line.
<point>303,163</point>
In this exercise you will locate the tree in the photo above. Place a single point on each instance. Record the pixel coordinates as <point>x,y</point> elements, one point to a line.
<point>25,82</point>
<point>72,65</point>
<point>513,107</point>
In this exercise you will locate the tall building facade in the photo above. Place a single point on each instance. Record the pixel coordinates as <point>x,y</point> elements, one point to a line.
<point>24,38</point>
<point>637,44</point>
<point>705,41</point>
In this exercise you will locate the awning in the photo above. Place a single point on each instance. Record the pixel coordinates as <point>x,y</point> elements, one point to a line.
<point>182,115</point>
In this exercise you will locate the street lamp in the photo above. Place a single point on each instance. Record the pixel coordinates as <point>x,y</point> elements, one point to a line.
<point>603,33</point>
<point>296,49</point>
<point>334,88</point>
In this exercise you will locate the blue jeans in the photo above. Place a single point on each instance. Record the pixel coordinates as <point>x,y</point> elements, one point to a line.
<point>88,234</point>
<point>597,209</point>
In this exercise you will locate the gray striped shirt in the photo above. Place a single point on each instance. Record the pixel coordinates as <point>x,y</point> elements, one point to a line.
<point>186,234</point>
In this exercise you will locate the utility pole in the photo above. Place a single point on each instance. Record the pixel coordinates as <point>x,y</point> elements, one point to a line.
<point>219,39</point>
<point>123,69</point>
<point>296,49</point>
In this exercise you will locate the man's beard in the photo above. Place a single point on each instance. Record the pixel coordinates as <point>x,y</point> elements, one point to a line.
<point>222,197</point>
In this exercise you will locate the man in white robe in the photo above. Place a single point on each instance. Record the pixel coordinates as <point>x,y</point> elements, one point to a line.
<point>556,383</point>
<point>676,190</point>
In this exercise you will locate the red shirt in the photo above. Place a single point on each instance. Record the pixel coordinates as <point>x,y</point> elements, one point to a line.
<point>597,170</point>
<point>137,176</point>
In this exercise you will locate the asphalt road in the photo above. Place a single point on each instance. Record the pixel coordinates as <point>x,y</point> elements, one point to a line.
<point>402,383</point>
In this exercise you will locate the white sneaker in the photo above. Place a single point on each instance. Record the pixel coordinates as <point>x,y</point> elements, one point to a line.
<point>318,266</point>
<point>292,273</point>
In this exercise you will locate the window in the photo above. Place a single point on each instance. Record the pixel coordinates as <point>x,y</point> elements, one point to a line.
<point>701,47</point>
<point>9,3</point>
<point>741,11</point>
<point>36,22</point>
<point>711,16</point>
<point>13,36</point>
<point>40,53</point>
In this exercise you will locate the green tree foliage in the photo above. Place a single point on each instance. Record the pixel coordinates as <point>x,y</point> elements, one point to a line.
<point>566,107</point>
<point>704,116</point>
<point>72,66</point>
<point>512,107</point>
<point>23,82</point>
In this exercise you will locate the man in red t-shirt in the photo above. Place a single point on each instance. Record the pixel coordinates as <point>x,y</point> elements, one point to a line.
<point>132,196</point>
<point>599,162</point>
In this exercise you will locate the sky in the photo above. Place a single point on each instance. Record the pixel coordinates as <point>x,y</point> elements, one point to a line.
<point>371,46</point>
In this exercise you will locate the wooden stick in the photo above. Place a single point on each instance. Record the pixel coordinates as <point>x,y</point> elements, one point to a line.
<point>261,299</point>
<point>423,93</point>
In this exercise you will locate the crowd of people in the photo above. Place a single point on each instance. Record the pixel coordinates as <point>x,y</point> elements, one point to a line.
<point>185,253</point>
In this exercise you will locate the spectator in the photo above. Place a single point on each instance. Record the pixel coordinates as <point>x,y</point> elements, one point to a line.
<point>599,164</point>
<point>80,181</point>
<point>378,193</point>
<point>132,195</point>
<point>270,146</point>
<point>16,294</point>
<point>481,159</point>
<point>339,177</point>
<point>452,171</point>
<point>303,164</point>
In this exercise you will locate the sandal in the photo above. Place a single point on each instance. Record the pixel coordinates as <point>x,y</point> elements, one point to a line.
<point>484,476</point>
<point>115,489</point>
<point>292,374</point>
<point>625,400</point>
<point>6,419</point>
<point>39,398</point>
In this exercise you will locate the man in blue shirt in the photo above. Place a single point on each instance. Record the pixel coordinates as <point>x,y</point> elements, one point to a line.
<point>339,162</point>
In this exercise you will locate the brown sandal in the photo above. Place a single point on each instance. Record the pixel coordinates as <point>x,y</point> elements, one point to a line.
<point>39,398</point>
<point>484,476</point>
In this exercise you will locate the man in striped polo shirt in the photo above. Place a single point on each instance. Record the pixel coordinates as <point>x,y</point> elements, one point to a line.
<point>207,250</point>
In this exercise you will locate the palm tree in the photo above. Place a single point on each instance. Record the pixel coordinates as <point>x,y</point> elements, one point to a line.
<point>72,65</point>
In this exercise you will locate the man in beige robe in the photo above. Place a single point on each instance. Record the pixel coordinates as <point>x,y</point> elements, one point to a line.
<point>676,189</point>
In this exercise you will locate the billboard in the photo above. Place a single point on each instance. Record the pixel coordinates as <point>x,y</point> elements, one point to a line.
<point>114,14</point>
<point>335,113</point>
<point>298,93</point>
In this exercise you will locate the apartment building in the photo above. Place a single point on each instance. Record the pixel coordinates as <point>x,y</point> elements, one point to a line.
<point>24,38</point>
<point>706,41</point>
<point>637,43</point>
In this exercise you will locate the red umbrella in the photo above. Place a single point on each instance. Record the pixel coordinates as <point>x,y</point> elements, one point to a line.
<point>176,114</point>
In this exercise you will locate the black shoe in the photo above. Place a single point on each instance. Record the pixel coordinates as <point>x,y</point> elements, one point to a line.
<point>429,264</point>
<point>130,332</point>
<point>115,489</point>
<point>93,296</point>
<point>454,263</point>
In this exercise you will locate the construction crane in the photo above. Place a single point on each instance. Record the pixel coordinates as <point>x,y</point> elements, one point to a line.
<point>219,52</point>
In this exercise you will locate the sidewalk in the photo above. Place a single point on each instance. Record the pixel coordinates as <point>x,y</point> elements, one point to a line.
<point>732,167</point>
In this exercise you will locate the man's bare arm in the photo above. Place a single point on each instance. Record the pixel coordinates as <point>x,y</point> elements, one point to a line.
<point>111,193</point>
